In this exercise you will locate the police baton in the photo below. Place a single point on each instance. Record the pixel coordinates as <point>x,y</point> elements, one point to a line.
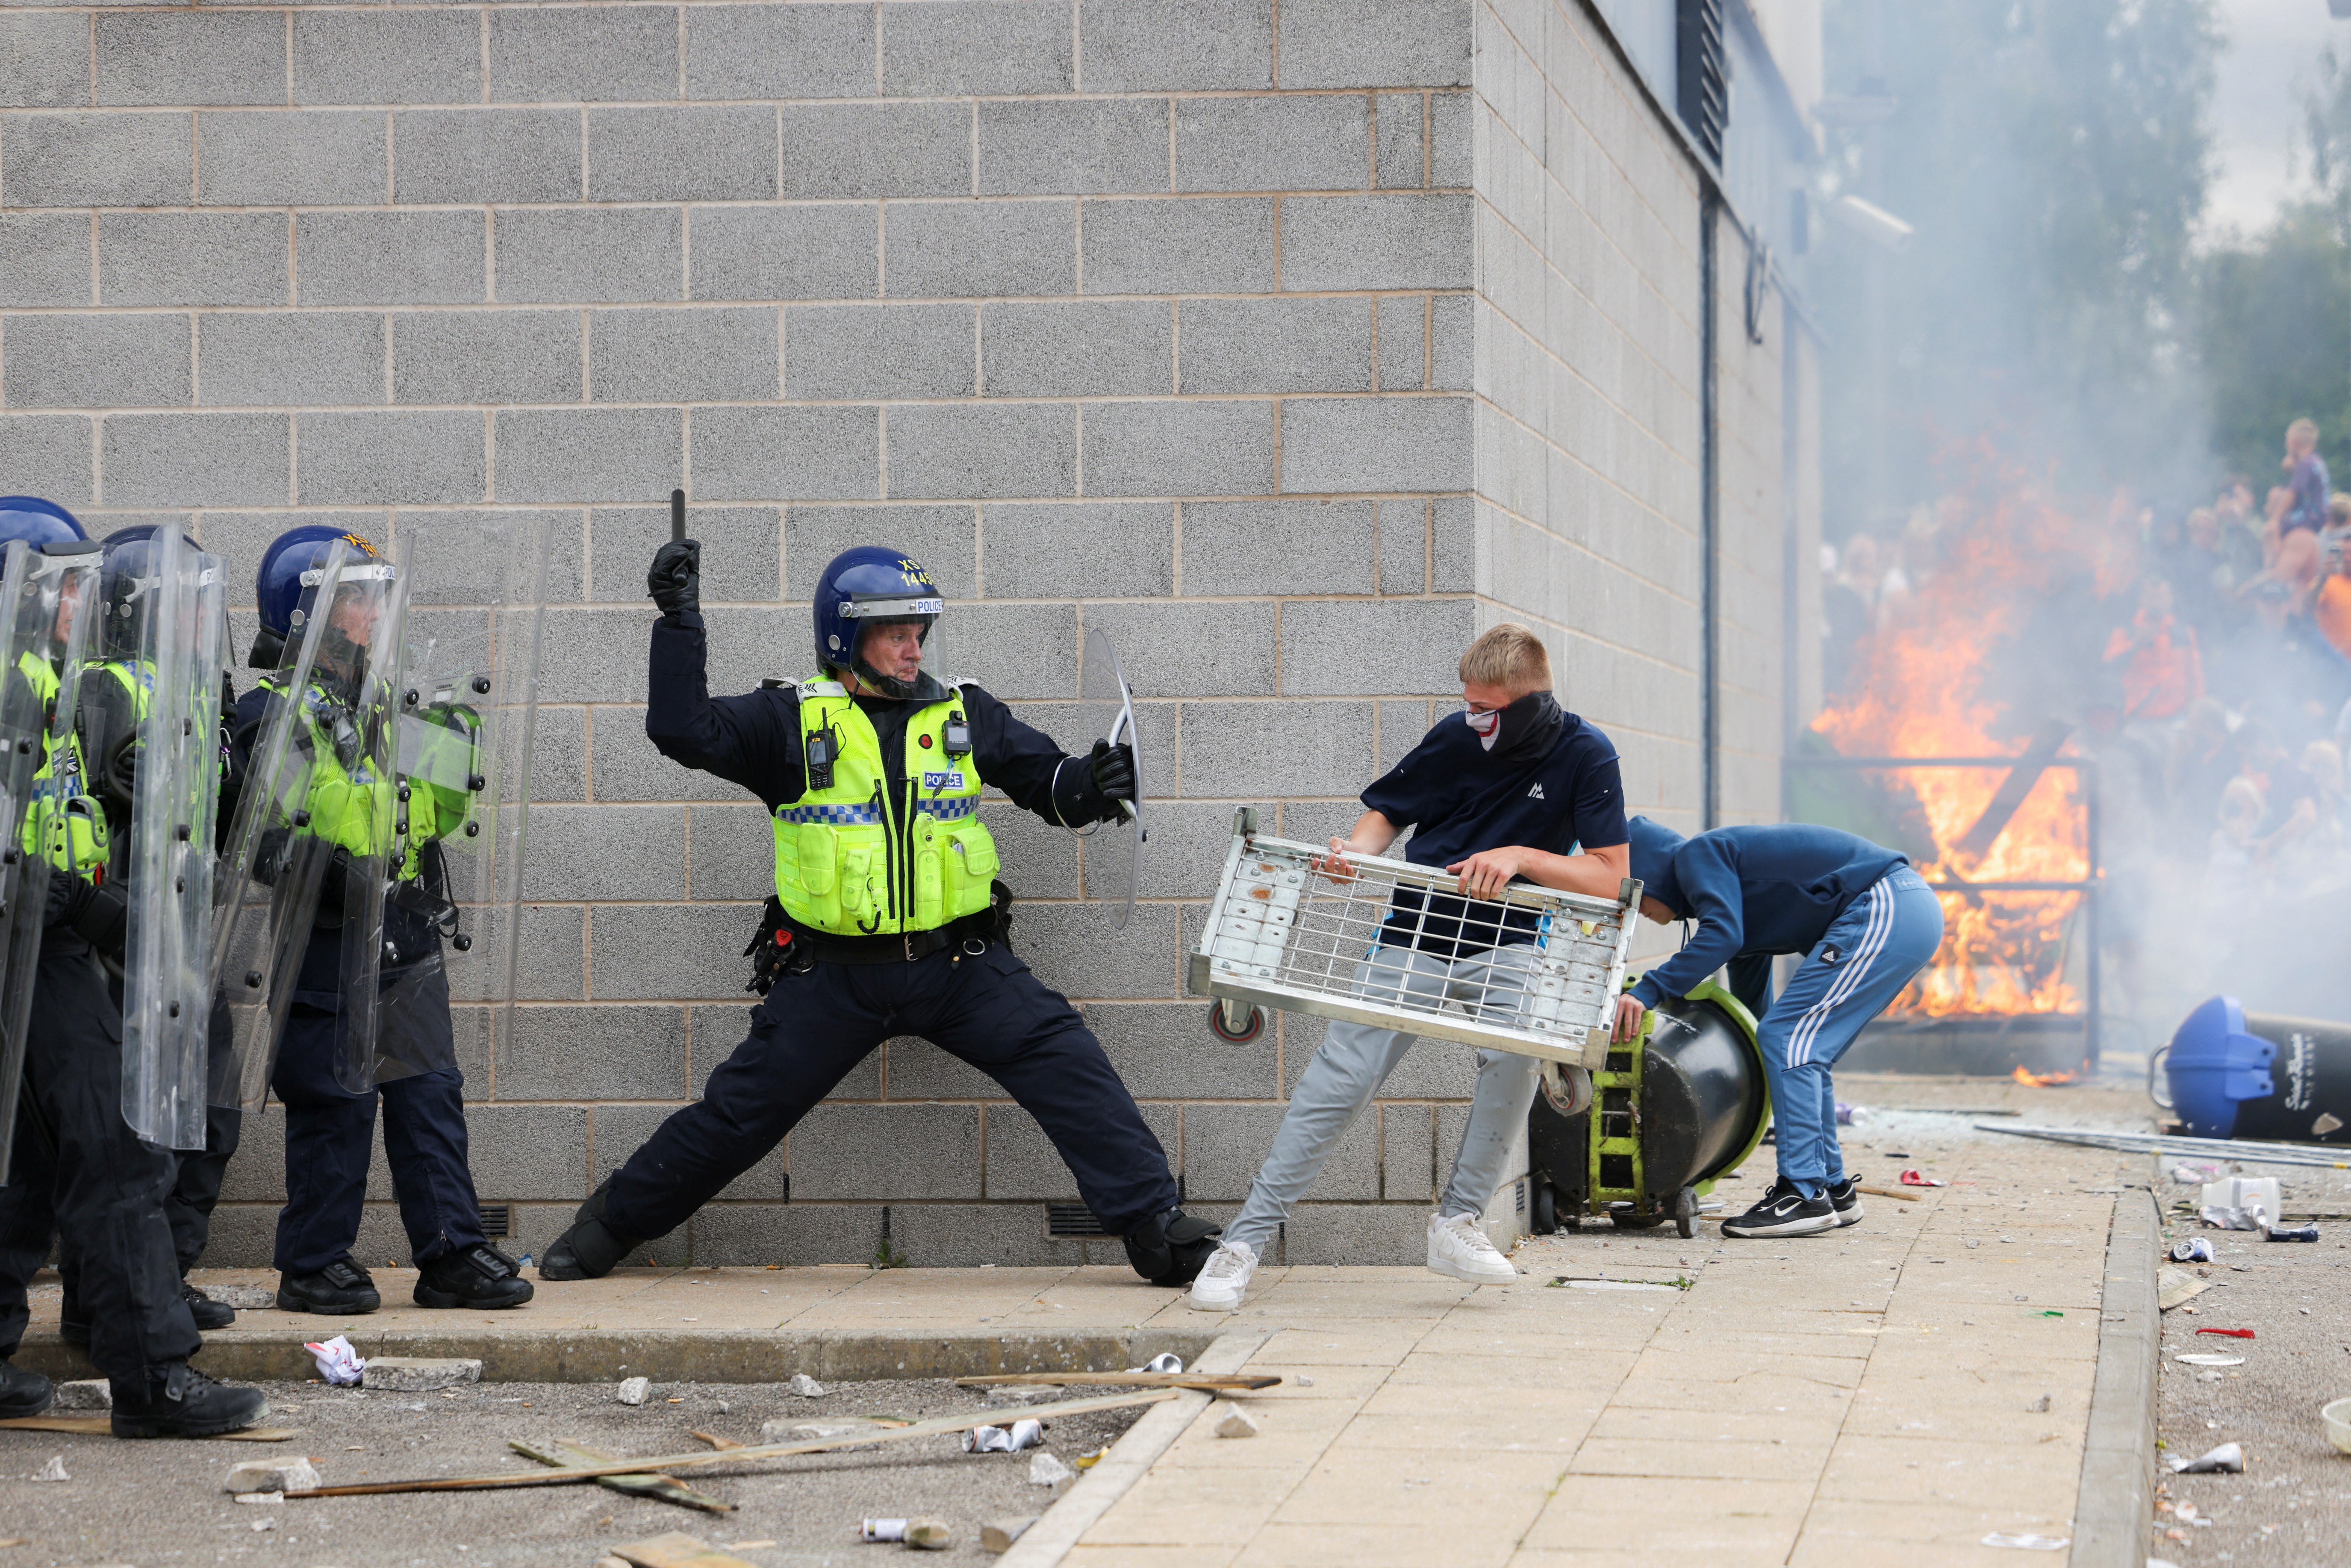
<point>676,516</point>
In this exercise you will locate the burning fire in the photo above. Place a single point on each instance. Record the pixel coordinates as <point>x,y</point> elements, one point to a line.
<point>2007,551</point>
<point>2042,1080</point>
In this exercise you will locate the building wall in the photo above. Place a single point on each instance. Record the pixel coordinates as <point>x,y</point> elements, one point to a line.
<point>1260,335</point>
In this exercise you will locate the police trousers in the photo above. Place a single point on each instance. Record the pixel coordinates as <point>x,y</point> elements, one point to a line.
<point>330,1131</point>
<point>80,1169</point>
<point>985,1008</point>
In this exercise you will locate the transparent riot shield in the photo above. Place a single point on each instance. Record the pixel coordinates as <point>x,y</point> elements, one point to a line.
<point>167,859</point>
<point>44,596</point>
<point>315,825</point>
<point>467,694</point>
<point>1113,851</point>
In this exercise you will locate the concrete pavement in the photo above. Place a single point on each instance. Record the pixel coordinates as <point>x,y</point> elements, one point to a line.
<point>1821,1400</point>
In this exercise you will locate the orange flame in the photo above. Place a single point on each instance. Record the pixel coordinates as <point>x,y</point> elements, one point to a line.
<point>2042,1080</point>
<point>1920,690</point>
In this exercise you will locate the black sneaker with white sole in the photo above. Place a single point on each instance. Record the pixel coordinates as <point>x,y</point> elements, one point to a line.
<point>1844,1197</point>
<point>1782,1210</point>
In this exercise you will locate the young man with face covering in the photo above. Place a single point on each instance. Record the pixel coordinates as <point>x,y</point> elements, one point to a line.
<point>1501,793</point>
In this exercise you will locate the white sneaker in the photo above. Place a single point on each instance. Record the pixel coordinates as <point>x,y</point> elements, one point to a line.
<point>1458,1246</point>
<point>1224,1279</point>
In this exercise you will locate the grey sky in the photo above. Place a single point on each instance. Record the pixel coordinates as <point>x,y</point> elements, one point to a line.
<point>2271,59</point>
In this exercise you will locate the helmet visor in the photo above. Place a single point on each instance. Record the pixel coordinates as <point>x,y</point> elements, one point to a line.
<point>883,648</point>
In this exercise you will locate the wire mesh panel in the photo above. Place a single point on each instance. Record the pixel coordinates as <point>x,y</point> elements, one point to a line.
<point>1384,942</point>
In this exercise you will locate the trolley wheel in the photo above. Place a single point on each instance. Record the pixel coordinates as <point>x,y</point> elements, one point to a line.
<point>1634,1219</point>
<point>1685,1211</point>
<point>1566,1090</point>
<point>1546,1210</point>
<point>1219,1027</point>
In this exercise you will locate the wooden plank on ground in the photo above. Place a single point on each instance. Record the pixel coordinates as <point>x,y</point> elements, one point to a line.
<point>659,1488</point>
<point>675,1549</point>
<point>1209,1382</point>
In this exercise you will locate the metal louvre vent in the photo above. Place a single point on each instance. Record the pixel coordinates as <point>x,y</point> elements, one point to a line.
<point>1704,73</point>
<point>1071,1219</point>
<point>497,1220</point>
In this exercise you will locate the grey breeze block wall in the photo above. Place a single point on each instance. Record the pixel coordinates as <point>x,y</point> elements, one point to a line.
<point>1159,317</point>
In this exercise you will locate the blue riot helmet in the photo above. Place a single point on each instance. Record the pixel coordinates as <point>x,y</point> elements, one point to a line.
<point>286,587</point>
<point>37,522</point>
<point>869,585</point>
<point>130,535</point>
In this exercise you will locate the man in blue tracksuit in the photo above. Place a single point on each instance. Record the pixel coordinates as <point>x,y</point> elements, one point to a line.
<point>1865,923</point>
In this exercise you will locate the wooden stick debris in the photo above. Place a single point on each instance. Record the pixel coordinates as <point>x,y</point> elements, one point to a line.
<point>942,1426</point>
<point>1208,1382</point>
<point>1892,1192</point>
<point>103,1427</point>
<point>713,1439</point>
<point>659,1488</point>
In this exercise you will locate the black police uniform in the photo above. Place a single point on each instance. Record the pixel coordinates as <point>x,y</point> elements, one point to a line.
<point>330,1131</point>
<point>969,994</point>
<point>80,1170</point>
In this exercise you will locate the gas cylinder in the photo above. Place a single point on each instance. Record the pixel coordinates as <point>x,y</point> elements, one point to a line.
<point>2235,1074</point>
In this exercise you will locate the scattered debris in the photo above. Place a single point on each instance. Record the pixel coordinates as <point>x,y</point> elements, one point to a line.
<point>784,1430</point>
<point>2029,1543</point>
<point>804,1385</point>
<point>2289,1233</point>
<point>103,1426</point>
<point>930,1535</point>
<point>675,1549</point>
<point>55,1470</point>
<point>87,1394</point>
<point>1237,1422</point>
<point>264,1525</point>
<point>1026,1433</point>
<point>1913,1179</point>
<point>998,1534</point>
<point>659,1488</point>
<point>2195,1249</point>
<point>2230,1334</point>
<point>2246,1149</point>
<point>2211,1359</point>
<point>269,1496</point>
<point>1165,1361</point>
<point>338,1363</point>
<point>1045,1470</point>
<point>1304,1381</point>
<point>1088,1461</point>
<point>1890,1192</point>
<point>884,1532</point>
<point>635,1390</point>
<point>1136,1377</point>
<point>2039,1406</point>
<point>2229,1458</point>
<point>271,1476</point>
<point>244,1298</point>
<point>419,1374</point>
<point>937,1427</point>
<point>2174,1286</point>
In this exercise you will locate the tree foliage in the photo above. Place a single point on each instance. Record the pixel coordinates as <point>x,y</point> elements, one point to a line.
<point>2052,156</point>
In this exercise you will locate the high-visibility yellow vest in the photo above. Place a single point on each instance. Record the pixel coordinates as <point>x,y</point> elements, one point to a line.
<point>354,795</point>
<point>66,825</point>
<point>860,860</point>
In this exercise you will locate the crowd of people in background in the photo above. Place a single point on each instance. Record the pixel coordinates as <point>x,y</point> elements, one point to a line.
<point>2205,662</point>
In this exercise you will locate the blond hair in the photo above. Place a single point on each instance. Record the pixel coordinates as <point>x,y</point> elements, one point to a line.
<point>1509,656</point>
<point>2303,430</point>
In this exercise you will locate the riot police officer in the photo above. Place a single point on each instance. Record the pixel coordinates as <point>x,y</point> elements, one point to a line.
<point>887,919</point>
<point>341,722</point>
<point>79,1168</point>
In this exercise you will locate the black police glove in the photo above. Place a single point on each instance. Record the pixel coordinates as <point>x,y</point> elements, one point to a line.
<point>1111,768</point>
<point>675,580</point>
<point>99,916</point>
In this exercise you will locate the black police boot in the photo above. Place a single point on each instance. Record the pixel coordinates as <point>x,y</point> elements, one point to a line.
<point>342,1289</point>
<point>209,1315</point>
<point>178,1401</point>
<point>1171,1248</point>
<point>479,1276</point>
<point>22,1393</point>
<point>590,1248</point>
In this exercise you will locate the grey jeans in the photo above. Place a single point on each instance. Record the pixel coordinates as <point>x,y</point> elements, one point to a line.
<point>1356,1059</point>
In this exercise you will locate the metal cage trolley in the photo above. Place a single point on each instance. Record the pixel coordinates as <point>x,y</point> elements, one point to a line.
<point>1283,932</point>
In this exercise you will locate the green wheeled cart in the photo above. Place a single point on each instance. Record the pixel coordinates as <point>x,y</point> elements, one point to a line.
<point>1666,1121</point>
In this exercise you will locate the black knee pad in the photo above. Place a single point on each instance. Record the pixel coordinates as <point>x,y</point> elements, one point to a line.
<point>1171,1248</point>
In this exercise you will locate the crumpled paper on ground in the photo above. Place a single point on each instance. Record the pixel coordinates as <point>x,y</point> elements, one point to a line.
<point>338,1363</point>
<point>1025,1433</point>
<point>2228,1459</point>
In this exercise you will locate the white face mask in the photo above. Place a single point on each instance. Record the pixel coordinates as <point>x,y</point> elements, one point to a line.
<point>1487,726</point>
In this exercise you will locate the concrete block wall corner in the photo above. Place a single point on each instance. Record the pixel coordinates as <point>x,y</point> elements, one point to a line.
<point>1294,343</point>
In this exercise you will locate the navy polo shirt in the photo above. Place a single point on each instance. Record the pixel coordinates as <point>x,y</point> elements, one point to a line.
<point>1458,799</point>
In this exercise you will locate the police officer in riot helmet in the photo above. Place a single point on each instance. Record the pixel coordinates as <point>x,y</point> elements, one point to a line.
<point>79,1170</point>
<point>109,696</point>
<point>887,918</point>
<point>330,1128</point>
